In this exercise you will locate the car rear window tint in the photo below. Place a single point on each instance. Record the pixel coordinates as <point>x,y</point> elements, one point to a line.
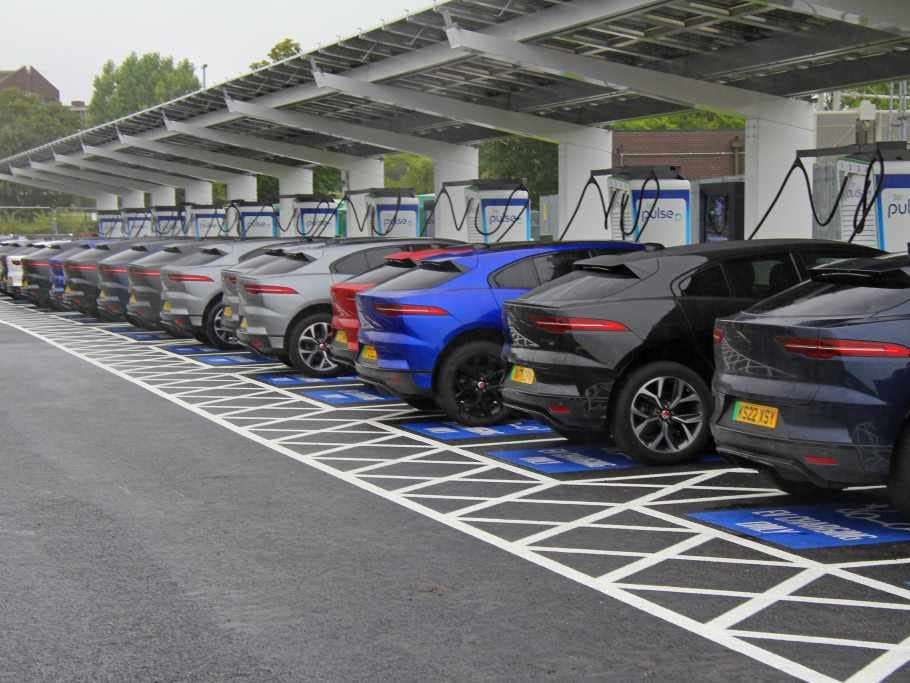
<point>418,278</point>
<point>707,282</point>
<point>814,299</point>
<point>585,285</point>
<point>352,264</point>
<point>380,274</point>
<point>759,278</point>
<point>199,258</point>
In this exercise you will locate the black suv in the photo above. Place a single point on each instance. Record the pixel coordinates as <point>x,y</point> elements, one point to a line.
<point>622,346</point>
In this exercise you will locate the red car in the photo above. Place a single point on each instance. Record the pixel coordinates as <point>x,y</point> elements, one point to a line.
<point>345,324</point>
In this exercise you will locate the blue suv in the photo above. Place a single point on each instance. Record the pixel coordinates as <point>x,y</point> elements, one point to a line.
<point>434,336</point>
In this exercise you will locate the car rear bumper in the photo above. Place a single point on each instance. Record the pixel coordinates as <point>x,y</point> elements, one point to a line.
<point>343,354</point>
<point>563,411</point>
<point>260,343</point>
<point>400,383</point>
<point>855,465</point>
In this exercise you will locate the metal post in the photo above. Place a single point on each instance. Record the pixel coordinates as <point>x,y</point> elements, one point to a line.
<point>54,221</point>
<point>903,109</point>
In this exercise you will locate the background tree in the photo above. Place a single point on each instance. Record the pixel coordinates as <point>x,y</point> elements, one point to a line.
<point>280,50</point>
<point>27,121</point>
<point>515,158</point>
<point>137,83</point>
<point>409,170</point>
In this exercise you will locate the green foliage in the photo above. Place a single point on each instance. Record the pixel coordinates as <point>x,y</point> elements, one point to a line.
<point>685,120</point>
<point>409,170</point>
<point>27,121</point>
<point>327,180</point>
<point>534,161</point>
<point>32,222</point>
<point>280,50</point>
<point>138,83</point>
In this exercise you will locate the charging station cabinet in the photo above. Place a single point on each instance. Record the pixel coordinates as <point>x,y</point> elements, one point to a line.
<point>315,215</point>
<point>204,220</point>
<point>253,219</point>
<point>167,221</point>
<point>110,223</point>
<point>498,210</point>
<point>668,220</point>
<point>888,223</point>
<point>382,212</point>
<point>137,222</point>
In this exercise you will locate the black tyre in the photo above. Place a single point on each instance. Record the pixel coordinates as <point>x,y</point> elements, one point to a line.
<point>469,382</point>
<point>661,414</point>
<point>308,346</point>
<point>899,481</point>
<point>420,403</point>
<point>213,329</point>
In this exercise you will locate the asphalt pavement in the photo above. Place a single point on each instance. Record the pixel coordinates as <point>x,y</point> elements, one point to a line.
<point>142,542</point>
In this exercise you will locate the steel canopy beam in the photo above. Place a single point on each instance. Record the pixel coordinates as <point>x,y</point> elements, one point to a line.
<point>49,186</point>
<point>516,123</point>
<point>92,177</point>
<point>310,155</point>
<point>350,131</point>
<point>79,186</point>
<point>206,157</point>
<point>163,179</point>
<point>688,92</point>
<point>197,172</point>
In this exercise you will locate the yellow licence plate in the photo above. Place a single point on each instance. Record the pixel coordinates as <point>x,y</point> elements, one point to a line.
<point>244,324</point>
<point>166,306</point>
<point>522,375</point>
<point>369,353</point>
<point>133,299</point>
<point>341,337</point>
<point>228,312</point>
<point>755,414</point>
<point>66,290</point>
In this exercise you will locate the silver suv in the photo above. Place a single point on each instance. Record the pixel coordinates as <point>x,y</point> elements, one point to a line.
<point>285,305</point>
<point>191,301</point>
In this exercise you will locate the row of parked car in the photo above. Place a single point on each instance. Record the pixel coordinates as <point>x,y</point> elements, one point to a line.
<point>807,341</point>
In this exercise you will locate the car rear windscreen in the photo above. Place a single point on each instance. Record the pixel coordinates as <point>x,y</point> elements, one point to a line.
<point>821,299</point>
<point>418,278</point>
<point>583,285</point>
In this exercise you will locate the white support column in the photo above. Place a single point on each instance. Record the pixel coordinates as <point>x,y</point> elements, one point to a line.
<point>770,150</point>
<point>365,174</point>
<point>295,181</point>
<point>198,192</point>
<point>576,161</point>
<point>242,189</point>
<point>106,201</point>
<point>133,199</point>
<point>163,196</point>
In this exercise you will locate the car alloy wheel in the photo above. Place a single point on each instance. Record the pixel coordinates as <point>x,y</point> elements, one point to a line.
<point>222,334</point>
<point>667,415</point>
<point>660,414</point>
<point>313,347</point>
<point>469,384</point>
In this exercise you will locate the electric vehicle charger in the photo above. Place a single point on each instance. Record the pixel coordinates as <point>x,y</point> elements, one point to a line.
<point>480,197</point>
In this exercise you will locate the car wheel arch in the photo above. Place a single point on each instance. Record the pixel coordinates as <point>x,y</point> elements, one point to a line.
<point>307,310</point>
<point>471,334</point>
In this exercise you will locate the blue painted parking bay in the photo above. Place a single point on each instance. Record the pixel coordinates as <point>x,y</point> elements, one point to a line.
<point>827,525</point>
<point>351,397</point>
<point>572,459</point>
<point>233,359</point>
<point>296,380</point>
<point>454,432</point>
<point>191,349</point>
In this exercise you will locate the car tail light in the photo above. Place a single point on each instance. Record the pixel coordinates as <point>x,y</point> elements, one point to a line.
<point>83,267</point>
<point>113,269</point>
<point>842,348</point>
<point>559,409</point>
<point>187,277</point>
<point>819,460</point>
<point>39,264</point>
<point>142,272</point>
<point>344,299</point>
<point>396,310</point>
<point>718,335</point>
<point>253,288</point>
<point>561,324</point>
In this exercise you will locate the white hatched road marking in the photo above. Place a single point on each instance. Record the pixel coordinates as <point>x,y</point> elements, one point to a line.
<point>174,377</point>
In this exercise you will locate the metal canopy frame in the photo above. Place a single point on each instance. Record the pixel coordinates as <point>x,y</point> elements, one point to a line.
<point>781,47</point>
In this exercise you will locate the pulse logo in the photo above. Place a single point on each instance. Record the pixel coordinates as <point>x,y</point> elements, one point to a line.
<point>389,222</point>
<point>661,214</point>
<point>504,217</point>
<point>901,207</point>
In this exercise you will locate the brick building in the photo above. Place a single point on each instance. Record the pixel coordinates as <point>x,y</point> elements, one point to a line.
<point>29,79</point>
<point>699,153</point>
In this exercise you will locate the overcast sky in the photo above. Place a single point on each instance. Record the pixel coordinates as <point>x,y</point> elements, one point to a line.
<point>69,40</point>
